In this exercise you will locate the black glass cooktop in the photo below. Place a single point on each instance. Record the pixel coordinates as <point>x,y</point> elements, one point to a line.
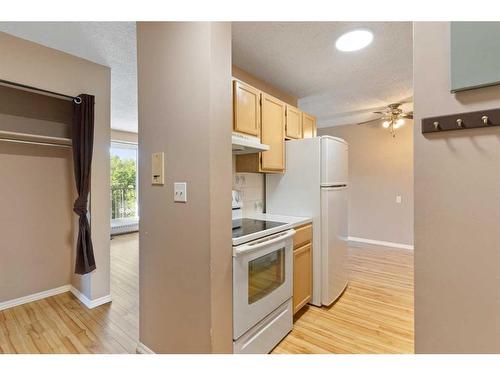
<point>249,226</point>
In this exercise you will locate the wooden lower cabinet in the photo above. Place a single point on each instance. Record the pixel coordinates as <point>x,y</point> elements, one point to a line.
<point>302,267</point>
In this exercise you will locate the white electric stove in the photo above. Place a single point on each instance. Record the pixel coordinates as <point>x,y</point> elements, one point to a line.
<point>262,283</point>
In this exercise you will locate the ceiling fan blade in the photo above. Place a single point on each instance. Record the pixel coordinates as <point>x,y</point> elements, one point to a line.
<point>406,100</point>
<point>372,120</point>
<point>408,115</point>
<point>379,112</point>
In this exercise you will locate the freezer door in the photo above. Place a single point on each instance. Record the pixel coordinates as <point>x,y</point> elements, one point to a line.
<point>334,232</point>
<point>334,161</point>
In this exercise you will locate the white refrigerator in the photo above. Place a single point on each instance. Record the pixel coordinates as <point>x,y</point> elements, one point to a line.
<point>315,184</point>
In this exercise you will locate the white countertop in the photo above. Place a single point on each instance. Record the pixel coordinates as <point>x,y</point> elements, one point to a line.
<point>289,222</point>
<point>294,221</point>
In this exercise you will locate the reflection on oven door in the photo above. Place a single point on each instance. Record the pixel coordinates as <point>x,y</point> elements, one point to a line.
<point>265,274</point>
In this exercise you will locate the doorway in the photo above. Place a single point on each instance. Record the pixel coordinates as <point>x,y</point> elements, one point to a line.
<point>124,251</point>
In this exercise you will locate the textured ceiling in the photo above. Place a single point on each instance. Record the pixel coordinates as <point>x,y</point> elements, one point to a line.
<point>297,57</point>
<point>337,87</point>
<point>108,43</point>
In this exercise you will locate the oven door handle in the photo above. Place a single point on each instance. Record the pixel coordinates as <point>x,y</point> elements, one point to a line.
<point>256,245</point>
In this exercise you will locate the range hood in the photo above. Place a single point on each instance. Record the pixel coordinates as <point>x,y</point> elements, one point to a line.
<point>246,144</point>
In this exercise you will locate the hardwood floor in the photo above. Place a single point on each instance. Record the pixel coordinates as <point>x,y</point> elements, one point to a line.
<point>61,324</point>
<point>374,315</point>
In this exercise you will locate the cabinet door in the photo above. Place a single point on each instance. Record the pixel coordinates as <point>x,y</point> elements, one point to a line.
<point>273,134</point>
<point>308,125</point>
<point>302,276</point>
<point>293,123</point>
<point>246,109</point>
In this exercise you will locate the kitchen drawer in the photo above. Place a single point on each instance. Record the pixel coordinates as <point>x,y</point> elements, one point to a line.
<point>264,336</point>
<point>302,235</point>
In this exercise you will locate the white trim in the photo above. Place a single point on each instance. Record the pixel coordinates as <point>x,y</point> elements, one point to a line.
<point>125,143</point>
<point>381,243</point>
<point>143,349</point>
<point>90,303</point>
<point>34,297</point>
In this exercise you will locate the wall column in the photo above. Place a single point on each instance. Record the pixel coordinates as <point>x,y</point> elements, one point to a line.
<point>184,77</point>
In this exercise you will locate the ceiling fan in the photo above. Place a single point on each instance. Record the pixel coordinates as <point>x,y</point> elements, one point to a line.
<point>393,117</point>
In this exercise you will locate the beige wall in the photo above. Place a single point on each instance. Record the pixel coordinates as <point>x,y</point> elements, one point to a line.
<point>457,200</point>
<point>118,135</point>
<point>35,252</point>
<point>36,189</point>
<point>380,168</point>
<point>185,248</point>
<point>264,86</point>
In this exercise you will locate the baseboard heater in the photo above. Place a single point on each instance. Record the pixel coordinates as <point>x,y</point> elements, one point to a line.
<point>123,228</point>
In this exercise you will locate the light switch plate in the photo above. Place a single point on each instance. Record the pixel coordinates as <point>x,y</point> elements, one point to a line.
<point>158,168</point>
<point>398,199</point>
<point>180,192</point>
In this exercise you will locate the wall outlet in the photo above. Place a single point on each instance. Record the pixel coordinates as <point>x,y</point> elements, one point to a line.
<point>180,192</point>
<point>398,199</point>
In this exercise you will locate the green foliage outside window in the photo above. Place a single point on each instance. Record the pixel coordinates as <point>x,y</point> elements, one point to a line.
<point>123,188</point>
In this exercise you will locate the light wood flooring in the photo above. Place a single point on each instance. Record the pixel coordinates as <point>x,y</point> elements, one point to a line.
<point>61,324</point>
<point>374,315</point>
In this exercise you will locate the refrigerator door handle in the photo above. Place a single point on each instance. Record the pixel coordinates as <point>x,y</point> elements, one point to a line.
<point>334,186</point>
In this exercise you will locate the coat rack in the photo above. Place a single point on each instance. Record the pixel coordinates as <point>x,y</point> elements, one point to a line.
<point>462,121</point>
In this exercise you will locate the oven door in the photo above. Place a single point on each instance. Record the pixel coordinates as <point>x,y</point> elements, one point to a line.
<point>262,279</point>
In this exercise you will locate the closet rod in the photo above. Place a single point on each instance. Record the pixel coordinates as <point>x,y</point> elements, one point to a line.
<point>34,143</point>
<point>76,99</point>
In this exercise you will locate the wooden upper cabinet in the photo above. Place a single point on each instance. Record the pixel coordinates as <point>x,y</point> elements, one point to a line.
<point>273,134</point>
<point>246,109</point>
<point>293,128</point>
<point>308,125</point>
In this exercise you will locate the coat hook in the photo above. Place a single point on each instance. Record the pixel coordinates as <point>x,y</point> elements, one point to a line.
<point>459,122</point>
<point>436,125</point>
<point>485,120</point>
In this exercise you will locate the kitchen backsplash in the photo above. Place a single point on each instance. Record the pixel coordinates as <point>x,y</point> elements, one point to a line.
<point>251,188</point>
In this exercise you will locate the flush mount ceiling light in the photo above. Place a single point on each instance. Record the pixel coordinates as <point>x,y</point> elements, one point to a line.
<point>354,40</point>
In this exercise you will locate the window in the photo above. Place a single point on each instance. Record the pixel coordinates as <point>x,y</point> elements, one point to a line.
<point>124,203</point>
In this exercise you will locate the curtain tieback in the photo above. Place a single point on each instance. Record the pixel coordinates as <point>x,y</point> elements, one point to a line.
<point>80,206</point>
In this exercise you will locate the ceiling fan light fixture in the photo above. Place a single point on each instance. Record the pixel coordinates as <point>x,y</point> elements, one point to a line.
<point>354,40</point>
<point>400,122</point>
<point>386,124</point>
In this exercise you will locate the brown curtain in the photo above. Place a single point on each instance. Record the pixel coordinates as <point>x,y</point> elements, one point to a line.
<point>83,143</point>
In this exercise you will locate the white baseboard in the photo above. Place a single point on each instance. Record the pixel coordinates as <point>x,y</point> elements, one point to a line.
<point>143,349</point>
<point>90,303</point>
<point>381,243</point>
<point>34,297</point>
<point>53,292</point>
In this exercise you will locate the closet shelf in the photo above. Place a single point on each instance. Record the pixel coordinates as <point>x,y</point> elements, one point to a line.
<point>34,139</point>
